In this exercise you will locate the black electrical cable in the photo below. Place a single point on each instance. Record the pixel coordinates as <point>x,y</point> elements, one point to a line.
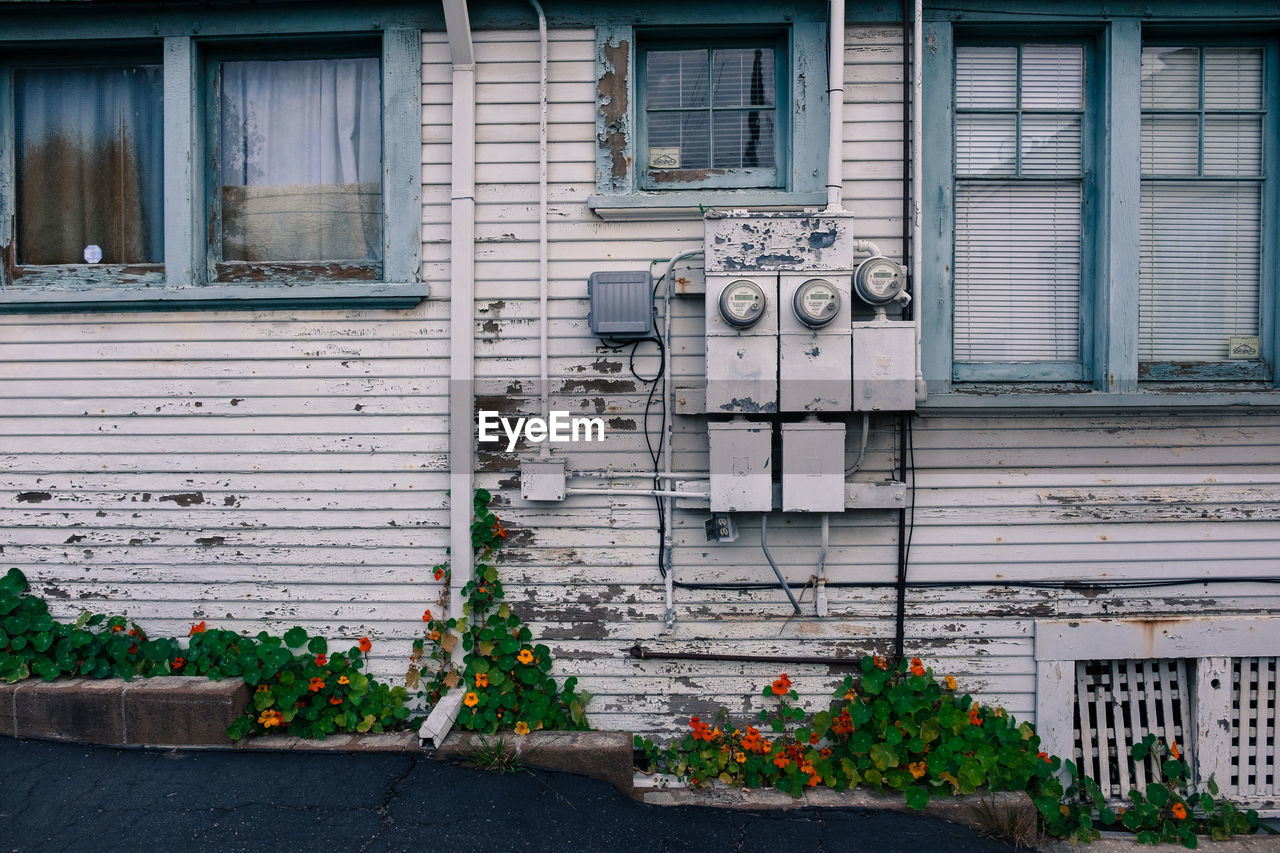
<point>656,455</point>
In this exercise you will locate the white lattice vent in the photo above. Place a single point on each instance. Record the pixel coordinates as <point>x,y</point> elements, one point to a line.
<point>1119,702</point>
<point>1253,727</point>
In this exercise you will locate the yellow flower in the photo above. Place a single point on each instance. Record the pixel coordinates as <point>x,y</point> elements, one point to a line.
<point>918,769</point>
<point>740,757</point>
<point>522,728</point>
<point>471,700</point>
<point>342,679</point>
<point>525,656</point>
<point>951,682</point>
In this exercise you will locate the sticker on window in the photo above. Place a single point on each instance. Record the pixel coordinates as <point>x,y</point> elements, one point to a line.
<point>1246,347</point>
<point>664,158</point>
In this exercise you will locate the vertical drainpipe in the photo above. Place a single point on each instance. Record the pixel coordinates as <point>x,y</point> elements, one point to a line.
<point>543,283</point>
<point>835,97</point>
<point>462,214</point>
<point>917,185</point>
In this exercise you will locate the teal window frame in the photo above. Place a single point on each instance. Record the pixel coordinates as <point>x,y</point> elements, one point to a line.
<point>186,281</point>
<point>801,139</point>
<point>1113,376</point>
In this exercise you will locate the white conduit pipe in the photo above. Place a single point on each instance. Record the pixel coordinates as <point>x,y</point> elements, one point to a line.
<point>662,493</point>
<point>543,284</point>
<point>835,97</point>
<point>668,389</point>
<point>917,185</point>
<point>634,475</point>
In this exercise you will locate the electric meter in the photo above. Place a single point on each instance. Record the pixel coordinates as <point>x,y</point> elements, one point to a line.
<point>816,302</point>
<point>879,280</point>
<point>742,303</point>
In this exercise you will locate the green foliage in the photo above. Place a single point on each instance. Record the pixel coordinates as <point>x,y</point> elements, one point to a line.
<point>506,674</point>
<point>901,730</point>
<point>300,688</point>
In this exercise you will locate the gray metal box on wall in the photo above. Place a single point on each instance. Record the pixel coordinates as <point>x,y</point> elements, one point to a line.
<point>621,304</point>
<point>884,366</point>
<point>742,362</point>
<point>813,467</point>
<point>741,466</point>
<point>813,363</point>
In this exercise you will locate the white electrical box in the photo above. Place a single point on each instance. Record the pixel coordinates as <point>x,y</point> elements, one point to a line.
<point>813,467</point>
<point>884,366</point>
<point>813,342</point>
<point>542,480</point>
<point>742,343</point>
<point>742,466</point>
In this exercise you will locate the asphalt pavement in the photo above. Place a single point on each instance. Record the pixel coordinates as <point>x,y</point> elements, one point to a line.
<point>58,796</point>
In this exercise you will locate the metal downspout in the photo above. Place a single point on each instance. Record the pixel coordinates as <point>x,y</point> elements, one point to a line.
<point>835,97</point>
<point>543,284</point>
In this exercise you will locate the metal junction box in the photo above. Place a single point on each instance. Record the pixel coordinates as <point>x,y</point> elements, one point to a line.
<point>884,366</point>
<point>742,466</point>
<point>742,361</point>
<point>621,304</point>
<point>542,480</point>
<point>813,467</point>
<point>813,362</point>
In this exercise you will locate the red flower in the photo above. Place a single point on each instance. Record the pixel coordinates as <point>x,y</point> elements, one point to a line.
<point>197,628</point>
<point>133,650</point>
<point>782,686</point>
<point>335,700</point>
<point>179,663</point>
<point>1179,811</point>
<point>1044,756</point>
<point>917,666</point>
<point>321,660</point>
<point>426,616</point>
<point>365,645</point>
<point>438,573</point>
<point>315,685</point>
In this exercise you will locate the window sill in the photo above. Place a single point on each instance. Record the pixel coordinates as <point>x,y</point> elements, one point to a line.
<point>211,297</point>
<point>693,204</point>
<point>993,401</point>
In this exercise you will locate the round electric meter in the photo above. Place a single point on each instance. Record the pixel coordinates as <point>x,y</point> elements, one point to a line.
<point>879,280</point>
<point>816,302</point>
<point>742,303</point>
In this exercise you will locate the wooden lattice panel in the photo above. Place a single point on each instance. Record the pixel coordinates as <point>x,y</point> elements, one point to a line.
<point>1253,727</point>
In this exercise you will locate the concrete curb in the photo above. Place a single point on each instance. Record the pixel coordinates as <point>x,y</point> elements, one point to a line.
<point>601,755</point>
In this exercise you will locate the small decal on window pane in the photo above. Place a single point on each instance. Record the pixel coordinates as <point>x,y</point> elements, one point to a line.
<point>1244,347</point>
<point>664,158</point>
<point>92,254</point>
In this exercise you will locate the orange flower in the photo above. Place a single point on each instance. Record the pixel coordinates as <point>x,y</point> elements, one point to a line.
<point>782,686</point>
<point>1179,811</point>
<point>522,728</point>
<point>525,656</point>
<point>116,629</point>
<point>880,662</point>
<point>315,685</point>
<point>364,644</point>
<point>471,700</point>
<point>813,738</point>
<point>918,769</point>
<point>814,781</point>
<point>270,718</point>
<point>179,663</point>
<point>740,757</point>
<point>1044,756</point>
<point>917,666</point>
<point>482,680</point>
<point>438,573</point>
<point>499,530</point>
<point>426,616</point>
<point>781,762</point>
<point>1174,751</point>
<point>321,660</point>
<point>197,628</point>
<point>950,681</point>
<point>975,716</point>
<point>335,700</point>
<point>262,688</point>
<point>342,679</point>
<point>434,636</point>
<point>133,632</point>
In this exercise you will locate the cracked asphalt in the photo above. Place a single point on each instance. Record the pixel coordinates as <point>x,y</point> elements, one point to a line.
<point>56,796</point>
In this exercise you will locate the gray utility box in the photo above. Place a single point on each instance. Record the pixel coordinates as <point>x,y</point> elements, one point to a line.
<point>813,467</point>
<point>741,466</point>
<point>813,364</point>
<point>542,480</point>
<point>884,366</point>
<point>742,363</point>
<point>621,304</point>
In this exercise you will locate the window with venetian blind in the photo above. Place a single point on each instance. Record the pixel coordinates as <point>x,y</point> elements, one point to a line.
<point>1019,199</point>
<point>1203,115</point>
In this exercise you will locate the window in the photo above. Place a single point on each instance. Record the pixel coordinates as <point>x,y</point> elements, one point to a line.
<point>220,170</point>
<point>711,115</point>
<point>698,117</point>
<point>1019,209</point>
<point>1103,208</point>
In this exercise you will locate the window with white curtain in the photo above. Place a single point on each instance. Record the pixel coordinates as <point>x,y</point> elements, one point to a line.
<point>1203,115</point>
<point>1019,115</point>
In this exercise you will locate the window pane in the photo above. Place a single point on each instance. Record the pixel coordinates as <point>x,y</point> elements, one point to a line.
<point>90,161</point>
<point>1052,77</point>
<point>987,78</point>
<point>675,78</point>
<point>1232,78</point>
<point>743,78</point>
<point>1050,145</point>
<point>986,145</point>
<point>743,139</point>
<point>1170,78</point>
<point>1170,144</point>
<point>1199,268</point>
<point>1232,145</point>
<point>301,164</point>
<point>687,133</point>
<point>1017,272</point>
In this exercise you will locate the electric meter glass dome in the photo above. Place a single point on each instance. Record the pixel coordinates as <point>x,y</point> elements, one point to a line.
<point>816,302</point>
<point>742,303</point>
<point>879,280</point>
